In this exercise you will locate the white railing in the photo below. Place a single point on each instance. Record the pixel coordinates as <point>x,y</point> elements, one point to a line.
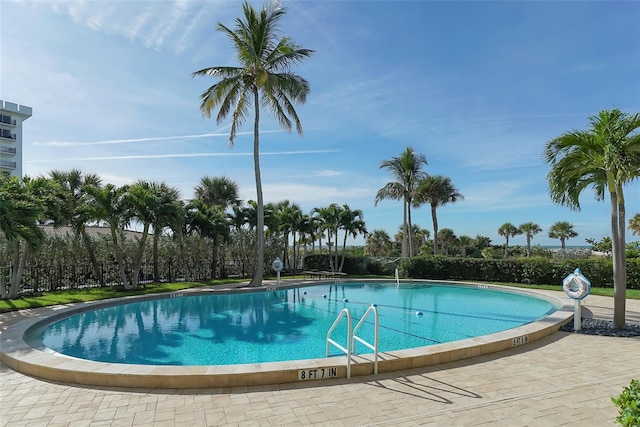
<point>374,346</point>
<point>330,341</point>
<point>352,337</point>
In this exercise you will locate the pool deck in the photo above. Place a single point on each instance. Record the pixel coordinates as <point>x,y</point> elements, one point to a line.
<point>561,379</point>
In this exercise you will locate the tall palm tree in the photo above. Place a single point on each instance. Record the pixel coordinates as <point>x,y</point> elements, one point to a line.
<point>329,219</point>
<point>406,171</point>
<point>208,222</point>
<point>634,224</point>
<point>221,192</point>
<point>562,230</point>
<point>352,223</point>
<point>166,211</point>
<point>141,200</point>
<point>178,225</point>
<point>305,231</point>
<point>529,229</point>
<point>448,239</point>
<point>436,190</point>
<point>604,157</point>
<point>263,77</point>
<point>20,209</point>
<point>74,212</point>
<point>508,230</point>
<point>107,204</point>
<point>378,243</point>
<point>238,218</point>
<point>465,242</point>
<point>289,215</point>
<point>420,237</point>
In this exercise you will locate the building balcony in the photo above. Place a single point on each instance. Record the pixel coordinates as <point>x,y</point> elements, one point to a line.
<point>7,136</point>
<point>7,151</point>
<point>5,164</point>
<point>7,121</point>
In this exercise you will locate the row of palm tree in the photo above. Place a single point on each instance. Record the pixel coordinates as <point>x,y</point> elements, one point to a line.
<point>73,198</point>
<point>561,230</point>
<point>604,157</point>
<point>415,188</point>
<point>380,244</point>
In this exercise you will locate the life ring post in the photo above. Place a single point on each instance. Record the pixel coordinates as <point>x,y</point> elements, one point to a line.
<point>577,287</point>
<point>577,314</point>
<point>277,266</point>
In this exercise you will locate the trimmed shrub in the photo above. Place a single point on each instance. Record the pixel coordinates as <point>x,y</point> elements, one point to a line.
<point>352,264</point>
<point>628,403</point>
<point>536,271</point>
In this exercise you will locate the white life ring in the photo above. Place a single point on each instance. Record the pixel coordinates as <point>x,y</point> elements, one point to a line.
<point>576,286</point>
<point>277,265</point>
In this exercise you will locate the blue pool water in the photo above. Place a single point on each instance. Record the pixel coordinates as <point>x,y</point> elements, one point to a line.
<point>254,327</point>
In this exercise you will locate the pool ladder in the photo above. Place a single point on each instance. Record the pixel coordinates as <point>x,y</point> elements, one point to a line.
<point>352,338</point>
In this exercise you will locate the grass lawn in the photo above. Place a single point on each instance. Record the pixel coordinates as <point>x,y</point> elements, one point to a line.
<point>94,294</point>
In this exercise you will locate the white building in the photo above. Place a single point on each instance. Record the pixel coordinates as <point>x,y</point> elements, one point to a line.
<point>11,118</point>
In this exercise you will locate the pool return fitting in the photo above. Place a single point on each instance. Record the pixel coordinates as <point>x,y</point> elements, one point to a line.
<point>577,287</point>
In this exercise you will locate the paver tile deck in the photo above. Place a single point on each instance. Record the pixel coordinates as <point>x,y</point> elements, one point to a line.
<point>562,379</point>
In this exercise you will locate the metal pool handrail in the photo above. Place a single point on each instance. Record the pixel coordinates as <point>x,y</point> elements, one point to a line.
<point>347,350</point>
<point>373,346</point>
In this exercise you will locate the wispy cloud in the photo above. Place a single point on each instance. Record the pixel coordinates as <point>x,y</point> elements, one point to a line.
<point>135,140</point>
<point>186,155</point>
<point>327,173</point>
<point>157,25</point>
<point>312,195</point>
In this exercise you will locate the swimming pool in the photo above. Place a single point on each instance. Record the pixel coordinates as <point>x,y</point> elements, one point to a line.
<point>286,324</point>
<point>23,351</point>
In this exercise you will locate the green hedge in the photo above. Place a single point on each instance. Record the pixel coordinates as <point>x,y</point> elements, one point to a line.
<point>536,271</point>
<point>352,264</point>
<point>541,271</point>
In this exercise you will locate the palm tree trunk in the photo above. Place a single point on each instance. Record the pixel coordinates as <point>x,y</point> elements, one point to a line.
<point>404,228</point>
<point>529,246</point>
<point>410,231</point>
<point>344,251</point>
<point>3,291</point>
<point>137,263</point>
<point>119,258</point>
<point>285,256</point>
<point>156,274</point>
<point>506,247</point>
<point>336,254</point>
<point>91,250</point>
<point>619,281</point>
<point>295,261</point>
<point>183,257</point>
<point>434,219</point>
<point>19,261</point>
<point>257,277</point>
<point>214,257</point>
<point>243,255</point>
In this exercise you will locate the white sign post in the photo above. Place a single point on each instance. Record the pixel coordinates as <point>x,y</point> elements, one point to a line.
<point>277,266</point>
<point>577,287</point>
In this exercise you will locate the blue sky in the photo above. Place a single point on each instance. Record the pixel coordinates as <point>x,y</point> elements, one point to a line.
<point>477,87</point>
